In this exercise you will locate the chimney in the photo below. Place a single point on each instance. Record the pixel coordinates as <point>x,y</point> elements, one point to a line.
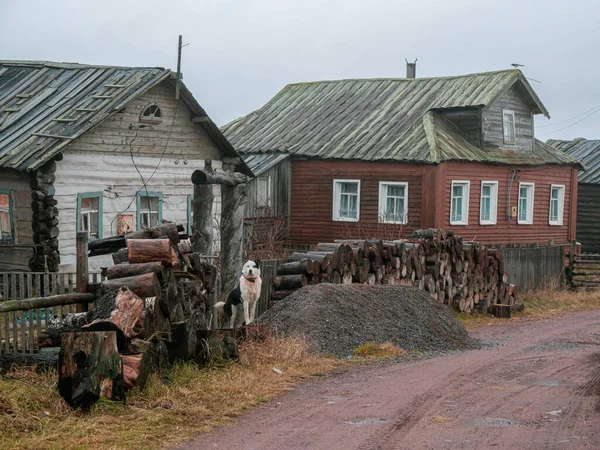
<point>411,69</point>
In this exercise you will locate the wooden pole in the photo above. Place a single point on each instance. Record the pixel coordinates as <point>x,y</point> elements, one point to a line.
<point>203,218</point>
<point>81,268</point>
<point>572,259</point>
<point>45,302</point>
<point>232,233</point>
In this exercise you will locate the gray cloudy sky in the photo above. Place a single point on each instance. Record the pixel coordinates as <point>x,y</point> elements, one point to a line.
<point>242,52</point>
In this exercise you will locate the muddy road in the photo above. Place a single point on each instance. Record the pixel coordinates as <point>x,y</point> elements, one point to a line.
<point>536,387</point>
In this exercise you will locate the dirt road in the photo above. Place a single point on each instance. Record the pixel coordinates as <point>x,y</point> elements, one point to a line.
<point>538,387</point>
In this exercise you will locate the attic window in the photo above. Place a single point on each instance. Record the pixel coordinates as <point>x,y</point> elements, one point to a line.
<point>151,114</point>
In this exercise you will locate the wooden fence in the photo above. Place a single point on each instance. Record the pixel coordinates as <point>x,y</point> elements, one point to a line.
<point>19,329</point>
<point>534,268</point>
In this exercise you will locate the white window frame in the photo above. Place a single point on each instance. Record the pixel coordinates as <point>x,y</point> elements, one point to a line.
<point>505,126</point>
<point>561,204</point>
<point>383,202</point>
<point>337,198</point>
<point>465,206</point>
<point>529,212</point>
<point>493,203</point>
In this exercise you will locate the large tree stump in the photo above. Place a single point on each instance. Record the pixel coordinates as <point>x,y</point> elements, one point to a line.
<point>89,367</point>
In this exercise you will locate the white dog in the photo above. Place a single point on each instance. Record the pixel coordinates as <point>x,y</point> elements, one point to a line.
<point>245,293</point>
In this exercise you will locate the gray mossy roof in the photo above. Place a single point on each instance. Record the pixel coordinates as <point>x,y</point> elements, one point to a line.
<point>382,120</point>
<point>66,100</point>
<point>587,152</point>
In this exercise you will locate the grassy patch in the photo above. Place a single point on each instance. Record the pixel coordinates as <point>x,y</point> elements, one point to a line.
<point>371,350</point>
<point>538,304</point>
<point>33,416</point>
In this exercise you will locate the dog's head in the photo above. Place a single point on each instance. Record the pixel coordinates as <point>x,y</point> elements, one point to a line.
<point>251,270</point>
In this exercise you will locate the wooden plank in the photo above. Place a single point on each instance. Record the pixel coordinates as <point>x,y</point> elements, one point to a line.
<point>22,324</point>
<point>38,316</point>
<point>6,317</point>
<point>14,331</point>
<point>32,340</point>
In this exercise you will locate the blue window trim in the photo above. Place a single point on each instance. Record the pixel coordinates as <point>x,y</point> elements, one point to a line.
<point>11,213</point>
<point>190,199</point>
<point>100,197</point>
<point>144,193</point>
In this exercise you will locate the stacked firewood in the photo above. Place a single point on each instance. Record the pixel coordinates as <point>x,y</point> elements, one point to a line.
<point>156,299</point>
<point>465,275</point>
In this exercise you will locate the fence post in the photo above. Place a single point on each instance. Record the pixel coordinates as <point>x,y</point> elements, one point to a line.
<point>82,268</point>
<point>572,260</point>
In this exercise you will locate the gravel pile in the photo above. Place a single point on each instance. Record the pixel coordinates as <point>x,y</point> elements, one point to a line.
<point>336,319</point>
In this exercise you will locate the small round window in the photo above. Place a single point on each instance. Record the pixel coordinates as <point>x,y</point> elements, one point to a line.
<point>151,114</point>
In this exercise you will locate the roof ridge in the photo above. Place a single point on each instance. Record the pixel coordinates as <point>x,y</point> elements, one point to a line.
<point>410,80</point>
<point>70,65</point>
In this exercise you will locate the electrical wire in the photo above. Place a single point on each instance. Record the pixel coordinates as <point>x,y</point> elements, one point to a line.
<point>569,119</point>
<point>569,126</point>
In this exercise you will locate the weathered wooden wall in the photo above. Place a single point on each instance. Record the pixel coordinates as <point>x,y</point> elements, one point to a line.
<point>101,162</point>
<point>504,231</point>
<point>493,134</point>
<point>588,217</point>
<point>312,199</point>
<point>534,268</point>
<point>467,121</point>
<point>16,257</point>
<point>280,176</point>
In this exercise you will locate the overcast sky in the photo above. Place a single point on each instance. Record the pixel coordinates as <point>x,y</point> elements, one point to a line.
<point>242,52</point>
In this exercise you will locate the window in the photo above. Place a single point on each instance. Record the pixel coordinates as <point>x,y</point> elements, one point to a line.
<point>525,213</point>
<point>263,192</point>
<point>459,203</point>
<point>89,214</point>
<point>151,114</point>
<point>489,202</point>
<point>557,204</point>
<point>6,219</point>
<point>346,200</point>
<point>149,207</point>
<point>508,125</point>
<point>393,199</point>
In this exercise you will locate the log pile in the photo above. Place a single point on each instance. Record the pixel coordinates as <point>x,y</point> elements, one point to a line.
<point>467,276</point>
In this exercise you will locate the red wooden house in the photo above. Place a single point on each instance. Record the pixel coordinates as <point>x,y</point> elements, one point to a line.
<point>378,157</point>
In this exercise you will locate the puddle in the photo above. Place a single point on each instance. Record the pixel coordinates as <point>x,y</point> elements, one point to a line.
<point>366,421</point>
<point>498,422</point>
<point>546,382</point>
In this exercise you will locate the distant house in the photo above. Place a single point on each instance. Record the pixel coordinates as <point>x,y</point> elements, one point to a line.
<point>384,156</point>
<point>588,199</point>
<point>100,149</point>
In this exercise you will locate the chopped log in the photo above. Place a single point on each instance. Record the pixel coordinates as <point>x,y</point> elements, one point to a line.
<point>121,256</point>
<point>146,285</point>
<point>185,246</point>
<point>45,302</point>
<point>41,361</point>
<point>149,250</point>
<point>89,367</point>
<point>287,282</point>
<point>129,270</point>
<point>136,368</point>
<point>168,230</point>
<point>296,267</point>
<point>128,310</point>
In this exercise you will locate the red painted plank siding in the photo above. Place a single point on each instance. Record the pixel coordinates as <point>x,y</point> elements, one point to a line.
<point>312,199</point>
<point>505,231</point>
<point>429,190</point>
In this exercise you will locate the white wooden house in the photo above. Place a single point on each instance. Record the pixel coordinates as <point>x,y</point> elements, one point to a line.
<point>95,148</point>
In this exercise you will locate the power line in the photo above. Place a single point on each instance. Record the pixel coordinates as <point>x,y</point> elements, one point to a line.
<point>569,126</point>
<point>571,118</point>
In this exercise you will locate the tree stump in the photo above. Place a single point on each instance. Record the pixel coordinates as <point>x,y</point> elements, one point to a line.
<point>136,368</point>
<point>89,367</point>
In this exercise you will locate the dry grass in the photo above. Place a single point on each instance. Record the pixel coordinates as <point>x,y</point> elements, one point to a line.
<point>539,304</point>
<point>371,350</point>
<point>33,416</point>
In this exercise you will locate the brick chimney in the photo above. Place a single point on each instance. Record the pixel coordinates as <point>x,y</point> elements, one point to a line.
<point>411,69</point>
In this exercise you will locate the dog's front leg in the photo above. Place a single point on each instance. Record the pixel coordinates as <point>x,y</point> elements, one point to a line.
<point>252,311</point>
<point>233,316</point>
<point>247,313</point>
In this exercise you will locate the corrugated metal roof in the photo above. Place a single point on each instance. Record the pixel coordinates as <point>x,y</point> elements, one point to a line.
<point>261,162</point>
<point>381,120</point>
<point>45,106</point>
<point>587,152</point>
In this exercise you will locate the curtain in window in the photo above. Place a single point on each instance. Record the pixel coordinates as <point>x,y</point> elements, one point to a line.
<point>394,208</point>
<point>349,200</point>
<point>523,203</point>
<point>486,202</point>
<point>457,203</point>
